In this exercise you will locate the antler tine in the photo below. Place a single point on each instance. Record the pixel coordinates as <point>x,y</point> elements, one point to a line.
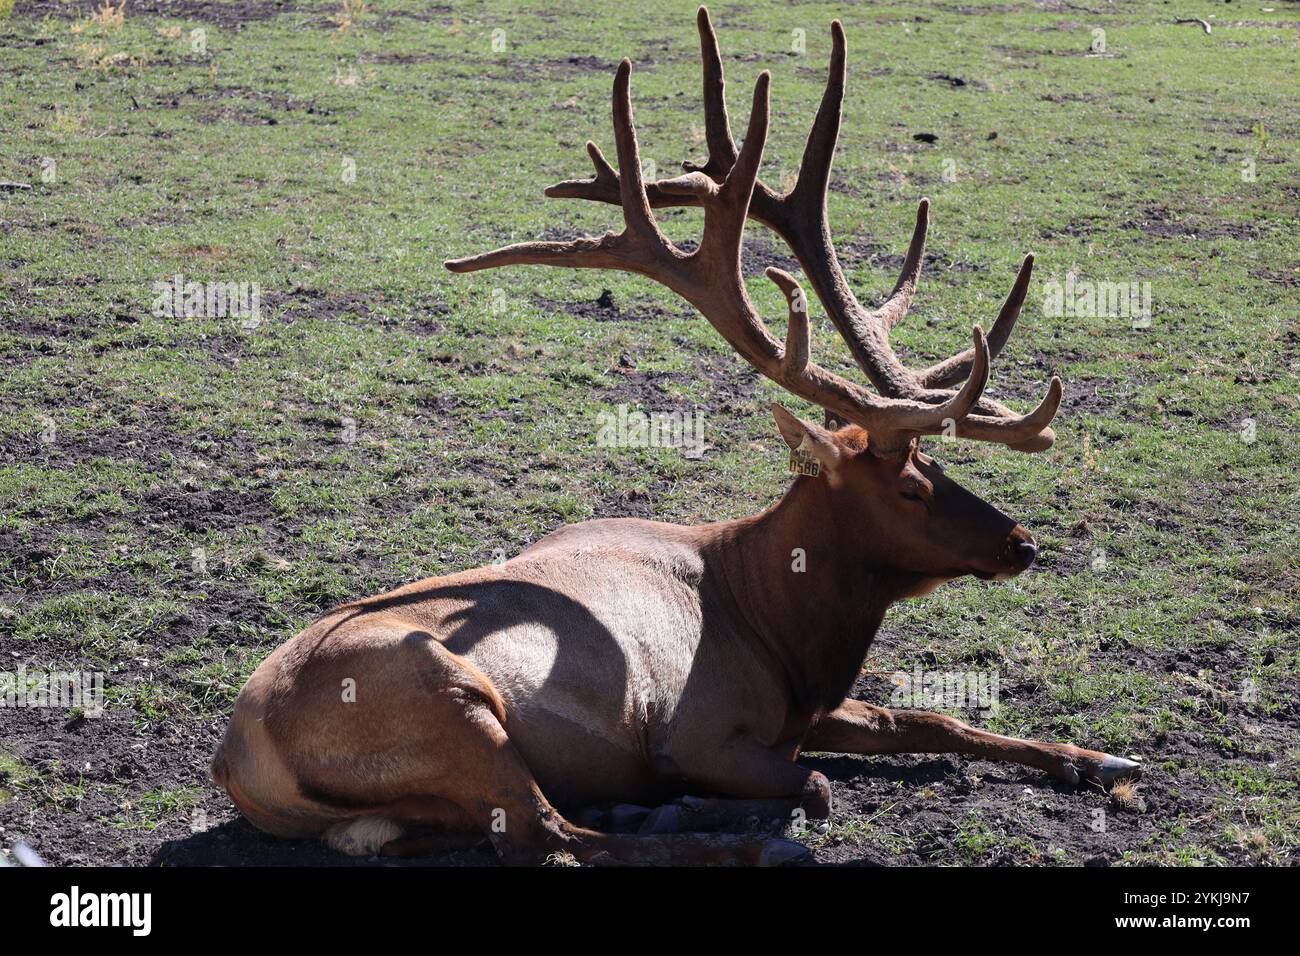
<point>798,344</point>
<point>641,247</point>
<point>1027,433</point>
<point>717,127</point>
<point>900,299</point>
<point>819,152</point>
<point>738,188</point>
<point>951,371</point>
<point>604,187</point>
<point>957,408</point>
<point>584,253</point>
<point>636,208</point>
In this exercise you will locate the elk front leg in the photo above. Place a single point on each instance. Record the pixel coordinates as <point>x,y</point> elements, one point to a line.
<point>858,728</point>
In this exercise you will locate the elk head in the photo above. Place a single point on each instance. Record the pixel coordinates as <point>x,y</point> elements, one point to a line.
<point>874,470</point>
<point>900,512</point>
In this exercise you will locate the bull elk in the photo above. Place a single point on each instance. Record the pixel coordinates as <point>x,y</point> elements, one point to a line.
<point>631,661</point>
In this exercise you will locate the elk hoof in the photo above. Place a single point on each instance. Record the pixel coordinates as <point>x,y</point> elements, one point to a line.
<point>781,852</point>
<point>1113,769</point>
<point>1096,767</point>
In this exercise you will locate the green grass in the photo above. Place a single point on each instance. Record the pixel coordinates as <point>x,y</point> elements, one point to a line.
<point>1168,577</point>
<point>154,807</point>
<point>14,775</point>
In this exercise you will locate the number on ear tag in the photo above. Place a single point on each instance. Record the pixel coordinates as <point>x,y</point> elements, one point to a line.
<point>802,463</point>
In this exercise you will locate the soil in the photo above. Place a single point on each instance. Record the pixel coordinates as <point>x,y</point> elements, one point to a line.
<point>1160,223</point>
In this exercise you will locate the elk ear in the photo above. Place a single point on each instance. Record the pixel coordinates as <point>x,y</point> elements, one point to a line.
<point>812,439</point>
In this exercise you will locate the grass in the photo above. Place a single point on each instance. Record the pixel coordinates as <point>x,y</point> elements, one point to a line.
<point>179,495</point>
<point>14,775</point>
<point>155,807</point>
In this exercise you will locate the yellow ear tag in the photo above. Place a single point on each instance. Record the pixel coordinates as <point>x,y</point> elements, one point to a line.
<point>804,463</point>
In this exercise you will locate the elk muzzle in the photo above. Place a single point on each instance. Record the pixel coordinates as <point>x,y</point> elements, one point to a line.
<point>1018,554</point>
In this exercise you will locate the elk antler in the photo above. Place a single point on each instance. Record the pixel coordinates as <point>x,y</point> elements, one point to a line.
<point>799,218</point>
<point>710,279</point>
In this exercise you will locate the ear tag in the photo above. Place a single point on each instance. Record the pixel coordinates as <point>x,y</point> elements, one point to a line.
<point>804,463</point>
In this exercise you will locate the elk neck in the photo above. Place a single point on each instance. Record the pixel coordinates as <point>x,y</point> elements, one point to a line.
<point>814,618</point>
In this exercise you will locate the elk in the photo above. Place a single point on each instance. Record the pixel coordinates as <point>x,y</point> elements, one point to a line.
<point>636,662</point>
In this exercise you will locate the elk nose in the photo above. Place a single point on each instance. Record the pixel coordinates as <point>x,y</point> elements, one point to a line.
<point>1026,551</point>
